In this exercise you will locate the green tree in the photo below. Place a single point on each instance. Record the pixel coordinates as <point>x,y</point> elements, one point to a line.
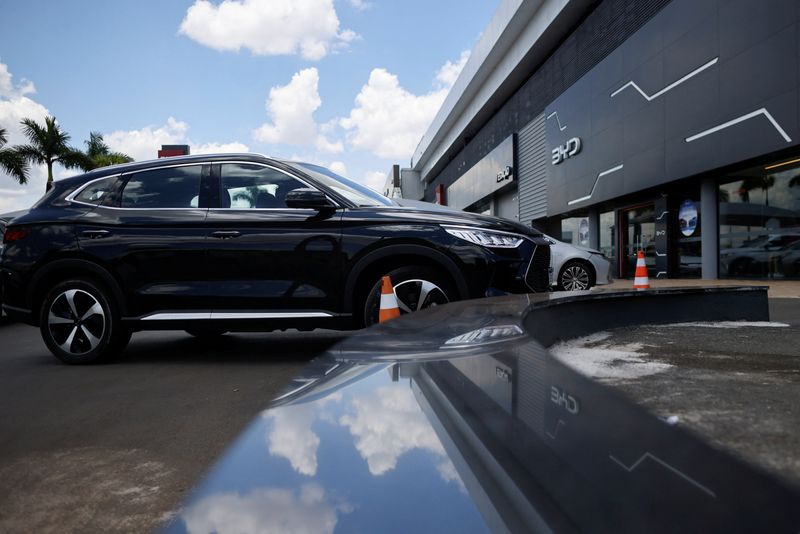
<point>48,145</point>
<point>101,155</point>
<point>11,161</point>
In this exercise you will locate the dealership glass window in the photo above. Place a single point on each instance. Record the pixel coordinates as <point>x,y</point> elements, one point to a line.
<point>759,222</point>
<point>608,241</point>
<point>575,230</point>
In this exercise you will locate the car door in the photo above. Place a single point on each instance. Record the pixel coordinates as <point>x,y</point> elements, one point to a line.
<point>265,256</point>
<point>149,232</point>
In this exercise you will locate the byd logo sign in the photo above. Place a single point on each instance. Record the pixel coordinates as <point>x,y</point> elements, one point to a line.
<point>567,150</point>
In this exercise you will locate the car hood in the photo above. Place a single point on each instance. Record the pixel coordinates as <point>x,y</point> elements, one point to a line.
<point>457,419</point>
<point>448,215</point>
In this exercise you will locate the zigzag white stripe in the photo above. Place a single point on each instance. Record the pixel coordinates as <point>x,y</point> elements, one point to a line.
<point>649,98</point>
<point>761,111</point>
<point>555,114</point>
<point>600,175</point>
<point>664,464</point>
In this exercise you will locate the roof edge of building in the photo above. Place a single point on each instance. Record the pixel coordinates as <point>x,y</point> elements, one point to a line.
<point>520,36</point>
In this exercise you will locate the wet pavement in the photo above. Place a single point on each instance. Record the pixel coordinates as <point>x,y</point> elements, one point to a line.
<point>116,447</point>
<point>737,385</point>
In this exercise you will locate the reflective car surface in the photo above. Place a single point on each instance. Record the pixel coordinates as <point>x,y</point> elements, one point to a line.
<point>214,243</point>
<point>577,268</point>
<point>456,419</point>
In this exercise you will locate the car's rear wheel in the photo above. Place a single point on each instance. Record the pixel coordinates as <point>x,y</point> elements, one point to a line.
<point>416,288</point>
<point>80,324</point>
<point>575,276</point>
<point>206,333</point>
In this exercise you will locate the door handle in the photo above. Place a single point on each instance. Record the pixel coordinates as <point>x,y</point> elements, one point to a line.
<point>226,234</point>
<point>95,234</point>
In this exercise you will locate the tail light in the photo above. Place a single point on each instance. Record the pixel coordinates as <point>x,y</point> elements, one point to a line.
<point>14,234</point>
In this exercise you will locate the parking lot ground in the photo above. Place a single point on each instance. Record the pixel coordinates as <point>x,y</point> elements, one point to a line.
<point>737,385</point>
<point>116,447</point>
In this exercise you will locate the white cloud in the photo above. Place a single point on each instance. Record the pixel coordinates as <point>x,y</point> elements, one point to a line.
<point>291,108</point>
<point>387,423</point>
<point>15,105</point>
<point>267,27</point>
<point>273,510</point>
<point>291,437</point>
<point>218,148</point>
<point>338,167</point>
<point>7,87</point>
<point>374,180</point>
<point>360,5</point>
<point>388,120</point>
<point>449,72</point>
<point>144,143</point>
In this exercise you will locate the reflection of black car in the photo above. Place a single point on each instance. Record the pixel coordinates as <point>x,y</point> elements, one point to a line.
<point>241,242</point>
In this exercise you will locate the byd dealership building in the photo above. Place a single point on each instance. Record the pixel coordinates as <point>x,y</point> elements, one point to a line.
<point>670,126</point>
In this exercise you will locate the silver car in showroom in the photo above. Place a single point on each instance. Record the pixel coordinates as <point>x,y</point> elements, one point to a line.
<point>573,267</point>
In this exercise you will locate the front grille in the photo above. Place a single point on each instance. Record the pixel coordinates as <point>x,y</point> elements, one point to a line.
<point>538,276</point>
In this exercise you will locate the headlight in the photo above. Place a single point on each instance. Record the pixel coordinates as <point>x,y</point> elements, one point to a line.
<point>486,238</point>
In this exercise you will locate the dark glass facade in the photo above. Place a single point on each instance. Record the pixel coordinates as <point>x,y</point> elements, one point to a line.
<point>759,222</point>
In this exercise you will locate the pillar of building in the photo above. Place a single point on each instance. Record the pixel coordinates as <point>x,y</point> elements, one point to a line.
<point>594,229</point>
<point>709,228</point>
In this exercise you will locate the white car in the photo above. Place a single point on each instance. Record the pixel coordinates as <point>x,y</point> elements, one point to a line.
<point>573,267</point>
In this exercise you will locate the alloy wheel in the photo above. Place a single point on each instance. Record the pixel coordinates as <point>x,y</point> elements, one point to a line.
<point>76,321</point>
<point>575,278</point>
<point>413,295</point>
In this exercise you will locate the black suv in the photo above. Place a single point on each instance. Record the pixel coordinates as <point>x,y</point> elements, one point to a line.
<point>240,242</point>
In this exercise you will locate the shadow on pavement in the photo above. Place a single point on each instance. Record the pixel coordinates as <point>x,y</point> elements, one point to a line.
<point>159,347</point>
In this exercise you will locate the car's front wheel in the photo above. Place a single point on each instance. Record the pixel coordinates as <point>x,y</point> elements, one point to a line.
<point>79,323</point>
<point>575,276</point>
<point>416,288</point>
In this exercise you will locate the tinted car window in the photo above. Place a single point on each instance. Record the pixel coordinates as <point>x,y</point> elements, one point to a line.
<point>97,193</point>
<point>175,187</point>
<point>247,186</point>
<point>352,191</point>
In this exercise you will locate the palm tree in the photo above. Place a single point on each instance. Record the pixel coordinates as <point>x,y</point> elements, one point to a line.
<point>11,161</point>
<point>100,153</point>
<point>48,145</point>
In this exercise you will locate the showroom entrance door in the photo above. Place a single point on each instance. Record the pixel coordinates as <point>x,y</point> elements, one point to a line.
<point>638,233</point>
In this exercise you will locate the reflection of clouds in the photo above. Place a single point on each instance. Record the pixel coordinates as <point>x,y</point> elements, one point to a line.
<point>291,436</point>
<point>264,510</point>
<point>387,423</point>
<point>448,472</point>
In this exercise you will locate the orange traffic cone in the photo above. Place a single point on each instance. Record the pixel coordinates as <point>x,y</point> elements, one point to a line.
<point>389,308</point>
<point>641,281</point>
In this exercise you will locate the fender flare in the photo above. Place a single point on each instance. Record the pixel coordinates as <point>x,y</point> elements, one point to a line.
<point>81,265</point>
<point>403,250</point>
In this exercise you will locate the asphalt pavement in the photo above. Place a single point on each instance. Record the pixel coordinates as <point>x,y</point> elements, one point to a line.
<point>116,447</point>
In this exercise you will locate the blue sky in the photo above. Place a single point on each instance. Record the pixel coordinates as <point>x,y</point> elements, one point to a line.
<point>350,84</point>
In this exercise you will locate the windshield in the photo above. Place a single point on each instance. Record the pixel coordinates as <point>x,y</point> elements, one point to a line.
<point>352,191</point>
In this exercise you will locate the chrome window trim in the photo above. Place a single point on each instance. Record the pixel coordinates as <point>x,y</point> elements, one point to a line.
<point>282,171</point>
<point>71,196</point>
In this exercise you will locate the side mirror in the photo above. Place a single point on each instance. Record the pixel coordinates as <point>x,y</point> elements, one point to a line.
<point>307,198</point>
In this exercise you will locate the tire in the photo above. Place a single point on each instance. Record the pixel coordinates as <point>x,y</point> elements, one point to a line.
<point>80,324</point>
<point>575,276</point>
<point>408,283</point>
<point>206,333</point>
